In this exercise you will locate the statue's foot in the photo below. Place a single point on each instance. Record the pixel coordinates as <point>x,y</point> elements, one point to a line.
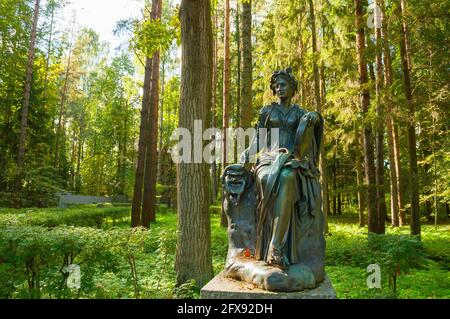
<point>294,277</point>
<point>278,261</point>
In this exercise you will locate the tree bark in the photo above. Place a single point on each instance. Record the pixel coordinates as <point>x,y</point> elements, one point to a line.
<point>213,110</point>
<point>193,255</point>
<point>226,79</point>
<point>148,213</point>
<point>315,56</point>
<point>247,66</point>
<point>360,181</point>
<point>226,93</point>
<point>161,119</point>
<point>398,169</point>
<point>49,45</point>
<point>394,193</point>
<point>319,103</point>
<point>237,39</point>
<point>59,127</point>
<point>413,176</point>
<point>26,101</point>
<point>301,56</point>
<point>369,167</point>
<point>381,201</point>
<point>138,179</point>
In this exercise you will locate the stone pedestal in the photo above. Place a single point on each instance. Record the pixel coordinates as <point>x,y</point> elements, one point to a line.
<point>226,288</point>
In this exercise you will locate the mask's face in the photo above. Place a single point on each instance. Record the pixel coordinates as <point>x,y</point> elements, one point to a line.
<point>235,183</point>
<point>282,88</point>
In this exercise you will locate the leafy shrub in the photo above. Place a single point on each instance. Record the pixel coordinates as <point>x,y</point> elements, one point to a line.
<point>40,185</point>
<point>34,259</point>
<point>399,254</point>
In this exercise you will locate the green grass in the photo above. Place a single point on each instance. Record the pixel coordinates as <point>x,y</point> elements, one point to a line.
<point>348,255</point>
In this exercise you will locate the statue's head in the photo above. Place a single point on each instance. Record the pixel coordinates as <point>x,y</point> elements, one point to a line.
<point>283,83</point>
<point>235,179</point>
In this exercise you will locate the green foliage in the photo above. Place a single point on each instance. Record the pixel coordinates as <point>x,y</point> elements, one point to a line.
<point>399,254</point>
<point>188,290</point>
<point>40,187</point>
<point>215,209</point>
<point>151,36</point>
<point>124,263</point>
<point>52,217</point>
<point>39,258</point>
<point>423,265</point>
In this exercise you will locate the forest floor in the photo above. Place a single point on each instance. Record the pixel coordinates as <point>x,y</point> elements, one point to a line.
<point>348,255</point>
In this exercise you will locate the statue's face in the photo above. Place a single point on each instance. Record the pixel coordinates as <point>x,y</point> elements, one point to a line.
<point>235,183</point>
<point>282,88</point>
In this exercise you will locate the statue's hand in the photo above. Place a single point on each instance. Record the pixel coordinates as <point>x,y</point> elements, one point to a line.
<point>244,157</point>
<point>312,118</point>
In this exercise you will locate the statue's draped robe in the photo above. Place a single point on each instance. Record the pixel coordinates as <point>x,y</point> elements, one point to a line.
<point>288,228</point>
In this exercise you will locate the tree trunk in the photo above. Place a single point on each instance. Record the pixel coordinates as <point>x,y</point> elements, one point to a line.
<point>301,57</point>
<point>381,201</point>
<point>26,101</point>
<point>369,167</point>
<point>138,179</point>
<point>317,92</point>
<point>392,174</point>
<point>339,203</point>
<point>413,176</point>
<point>389,120</point>
<point>237,39</point>
<point>79,155</point>
<point>247,66</point>
<point>334,184</point>
<point>148,213</point>
<point>398,169</point>
<point>226,93</point>
<point>315,56</point>
<point>213,110</point>
<point>193,255</point>
<point>322,163</point>
<point>49,45</point>
<point>161,119</point>
<point>59,128</point>
<point>360,181</point>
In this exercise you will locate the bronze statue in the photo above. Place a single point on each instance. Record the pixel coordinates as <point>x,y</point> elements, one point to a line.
<point>275,219</point>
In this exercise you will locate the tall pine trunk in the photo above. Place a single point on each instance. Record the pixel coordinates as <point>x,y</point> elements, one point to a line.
<point>140,165</point>
<point>148,213</point>
<point>247,66</point>
<point>59,127</point>
<point>237,40</point>
<point>49,45</point>
<point>193,254</point>
<point>301,54</point>
<point>226,93</point>
<point>317,91</point>
<point>161,120</point>
<point>213,110</point>
<point>369,167</point>
<point>413,176</point>
<point>26,101</point>
<point>360,179</point>
<point>393,170</point>
<point>381,201</point>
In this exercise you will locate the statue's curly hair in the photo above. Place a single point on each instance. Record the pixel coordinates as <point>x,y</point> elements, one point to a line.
<point>287,74</point>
